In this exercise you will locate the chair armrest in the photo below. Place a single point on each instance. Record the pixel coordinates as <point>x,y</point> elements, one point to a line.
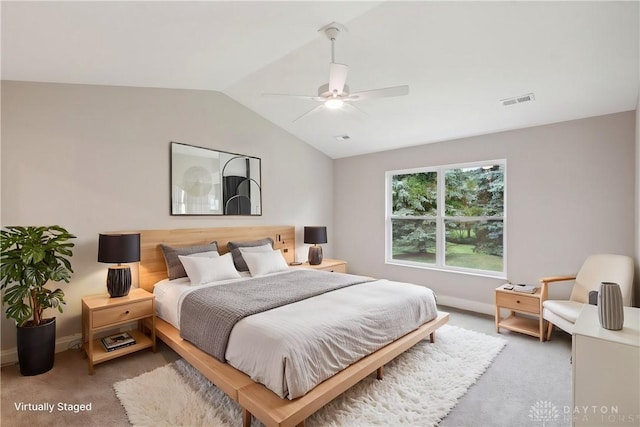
<point>556,279</point>
<point>544,292</point>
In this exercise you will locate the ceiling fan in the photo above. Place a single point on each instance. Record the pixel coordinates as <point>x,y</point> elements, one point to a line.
<point>335,94</point>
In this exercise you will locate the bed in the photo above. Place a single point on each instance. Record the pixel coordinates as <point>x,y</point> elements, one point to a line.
<point>286,403</point>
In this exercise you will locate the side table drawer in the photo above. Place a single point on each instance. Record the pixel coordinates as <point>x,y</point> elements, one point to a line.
<point>109,316</point>
<point>518,302</point>
<point>341,268</point>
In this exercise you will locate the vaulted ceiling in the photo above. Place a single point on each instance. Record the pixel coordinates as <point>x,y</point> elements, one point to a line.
<point>459,59</point>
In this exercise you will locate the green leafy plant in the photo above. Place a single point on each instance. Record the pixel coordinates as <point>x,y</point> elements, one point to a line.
<point>29,258</point>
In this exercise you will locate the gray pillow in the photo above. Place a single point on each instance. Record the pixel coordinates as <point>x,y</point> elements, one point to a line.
<point>175,269</point>
<point>234,248</point>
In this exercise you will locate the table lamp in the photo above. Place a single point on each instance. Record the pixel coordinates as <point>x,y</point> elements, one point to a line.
<point>118,249</point>
<point>315,235</point>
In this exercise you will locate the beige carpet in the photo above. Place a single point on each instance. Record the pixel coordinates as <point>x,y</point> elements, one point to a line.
<point>419,388</point>
<point>69,383</point>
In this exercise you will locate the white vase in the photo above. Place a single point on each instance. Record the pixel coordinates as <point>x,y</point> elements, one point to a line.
<point>610,309</point>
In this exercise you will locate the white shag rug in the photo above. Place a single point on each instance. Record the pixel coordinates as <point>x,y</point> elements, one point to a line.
<point>419,388</point>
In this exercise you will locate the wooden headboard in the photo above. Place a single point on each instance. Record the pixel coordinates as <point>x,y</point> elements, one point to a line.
<point>152,265</point>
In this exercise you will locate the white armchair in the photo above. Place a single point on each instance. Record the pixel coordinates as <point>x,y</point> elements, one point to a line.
<point>596,269</point>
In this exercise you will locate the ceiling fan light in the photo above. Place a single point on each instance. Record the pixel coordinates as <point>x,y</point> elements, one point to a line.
<point>333,103</point>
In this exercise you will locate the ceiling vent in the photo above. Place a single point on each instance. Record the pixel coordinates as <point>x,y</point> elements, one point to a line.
<point>518,99</point>
<point>342,137</point>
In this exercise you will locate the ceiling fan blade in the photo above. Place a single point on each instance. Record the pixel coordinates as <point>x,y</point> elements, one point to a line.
<point>351,107</point>
<point>379,93</point>
<point>337,77</point>
<point>310,97</point>
<point>313,110</point>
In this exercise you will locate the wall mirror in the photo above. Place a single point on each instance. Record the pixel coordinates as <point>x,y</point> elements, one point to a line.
<point>212,182</point>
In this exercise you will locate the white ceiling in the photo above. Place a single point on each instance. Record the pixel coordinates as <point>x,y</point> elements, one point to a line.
<point>580,59</point>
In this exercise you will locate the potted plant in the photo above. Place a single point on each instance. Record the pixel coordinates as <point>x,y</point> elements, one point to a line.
<point>29,258</point>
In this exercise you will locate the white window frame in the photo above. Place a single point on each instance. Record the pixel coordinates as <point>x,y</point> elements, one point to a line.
<point>440,220</point>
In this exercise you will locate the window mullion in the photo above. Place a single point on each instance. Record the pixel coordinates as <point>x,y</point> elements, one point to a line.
<point>424,217</point>
<point>474,218</point>
<point>440,235</point>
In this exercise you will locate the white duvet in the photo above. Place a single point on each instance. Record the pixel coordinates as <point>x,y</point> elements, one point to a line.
<point>293,348</point>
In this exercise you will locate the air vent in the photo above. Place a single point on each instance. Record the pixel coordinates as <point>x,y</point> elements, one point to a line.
<point>342,137</point>
<point>518,99</point>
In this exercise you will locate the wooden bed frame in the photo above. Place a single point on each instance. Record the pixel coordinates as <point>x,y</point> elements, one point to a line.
<point>255,399</point>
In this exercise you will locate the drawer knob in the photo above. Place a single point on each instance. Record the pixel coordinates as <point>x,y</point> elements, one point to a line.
<point>127,312</point>
<point>518,301</point>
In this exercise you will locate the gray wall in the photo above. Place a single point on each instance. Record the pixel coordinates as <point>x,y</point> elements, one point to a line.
<point>96,159</point>
<point>637,233</point>
<point>570,193</point>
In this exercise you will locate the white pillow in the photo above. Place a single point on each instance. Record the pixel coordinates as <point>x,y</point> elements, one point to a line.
<point>206,270</point>
<point>208,254</point>
<point>262,248</point>
<point>261,263</point>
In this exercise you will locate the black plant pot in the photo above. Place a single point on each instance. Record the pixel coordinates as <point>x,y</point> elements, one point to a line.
<point>36,348</point>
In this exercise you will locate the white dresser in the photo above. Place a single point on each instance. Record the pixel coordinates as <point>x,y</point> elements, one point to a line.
<point>606,370</point>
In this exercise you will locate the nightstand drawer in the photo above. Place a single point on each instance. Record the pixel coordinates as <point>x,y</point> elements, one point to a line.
<point>518,302</point>
<point>123,313</point>
<point>332,265</point>
<point>340,268</point>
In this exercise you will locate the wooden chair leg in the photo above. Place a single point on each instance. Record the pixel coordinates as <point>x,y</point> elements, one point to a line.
<point>549,330</point>
<point>379,372</point>
<point>432,337</point>
<point>246,418</point>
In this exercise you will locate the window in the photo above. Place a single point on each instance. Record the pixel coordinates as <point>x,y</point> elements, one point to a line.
<point>448,217</point>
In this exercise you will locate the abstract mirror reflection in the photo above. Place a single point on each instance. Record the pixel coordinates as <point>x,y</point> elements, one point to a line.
<point>212,182</point>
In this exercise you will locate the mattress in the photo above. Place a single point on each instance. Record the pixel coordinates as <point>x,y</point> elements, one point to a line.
<point>293,348</point>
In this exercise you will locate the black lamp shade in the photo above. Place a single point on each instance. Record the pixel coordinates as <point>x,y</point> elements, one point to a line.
<point>118,248</point>
<point>315,235</point>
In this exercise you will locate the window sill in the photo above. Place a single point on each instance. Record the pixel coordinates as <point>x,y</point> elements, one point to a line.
<point>497,275</point>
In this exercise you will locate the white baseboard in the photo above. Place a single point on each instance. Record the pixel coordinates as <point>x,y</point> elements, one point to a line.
<point>469,305</point>
<point>10,356</point>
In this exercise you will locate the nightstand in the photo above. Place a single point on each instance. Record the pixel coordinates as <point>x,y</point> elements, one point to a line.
<point>334,265</point>
<point>101,312</point>
<point>524,303</point>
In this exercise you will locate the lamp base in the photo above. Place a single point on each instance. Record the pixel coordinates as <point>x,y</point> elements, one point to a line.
<point>315,255</point>
<point>119,281</point>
